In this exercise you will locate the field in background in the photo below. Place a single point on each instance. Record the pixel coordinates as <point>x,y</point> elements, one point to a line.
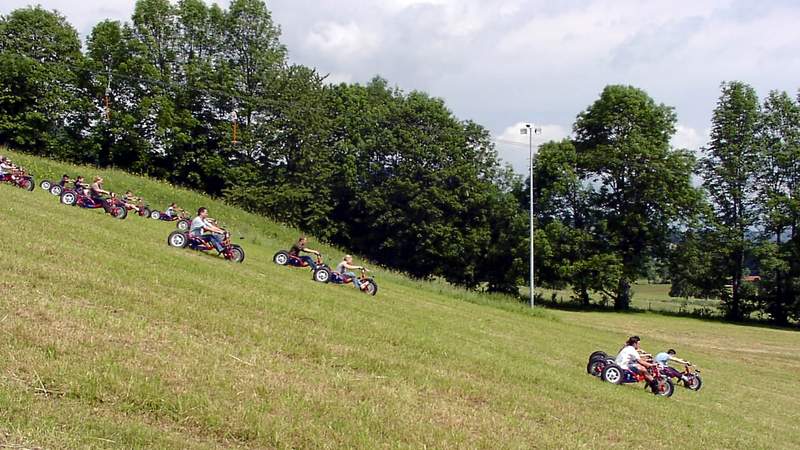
<point>646,297</point>
<point>112,339</point>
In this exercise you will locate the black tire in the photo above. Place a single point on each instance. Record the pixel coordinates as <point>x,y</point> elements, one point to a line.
<point>145,212</point>
<point>695,383</point>
<point>56,190</point>
<point>183,224</point>
<point>596,366</point>
<point>612,373</point>
<point>321,275</point>
<point>372,287</point>
<point>27,184</point>
<point>45,184</point>
<point>69,198</point>
<point>155,215</point>
<point>237,253</point>
<point>281,258</point>
<point>666,388</point>
<point>178,239</point>
<point>119,212</point>
<point>598,353</point>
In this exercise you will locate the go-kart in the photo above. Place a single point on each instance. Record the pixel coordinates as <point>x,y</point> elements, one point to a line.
<point>324,274</point>
<point>614,374</point>
<point>689,378</point>
<point>284,258</point>
<point>20,179</point>
<point>183,219</point>
<point>183,239</point>
<point>144,210</point>
<point>46,184</point>
<point>112,205</point>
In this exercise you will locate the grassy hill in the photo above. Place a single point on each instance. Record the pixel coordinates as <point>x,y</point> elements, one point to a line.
<point>110,338</point>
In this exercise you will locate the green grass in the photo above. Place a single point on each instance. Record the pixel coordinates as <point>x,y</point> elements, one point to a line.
<point>111,339</point>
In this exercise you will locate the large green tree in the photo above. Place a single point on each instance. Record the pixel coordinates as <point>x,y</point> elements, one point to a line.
<point>42,102</point>
<point>729,172</point>
<point>641,186</point>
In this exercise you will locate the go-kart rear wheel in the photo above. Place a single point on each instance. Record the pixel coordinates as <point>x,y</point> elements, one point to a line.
<point>177,239</point>
<point>612,373</point>
<point>69,198</point>
<point>56,190</point>
<point>598,353</point>
<point>155,215</point>
<point>237,253</point>
<point>369,287</point>
<point>281,258</point>
<point>144,212</point>
<point>596,366</point>
<point>183,225</point>
<point>45,184</point>
<point>27,184</point>
<point>322,275</point>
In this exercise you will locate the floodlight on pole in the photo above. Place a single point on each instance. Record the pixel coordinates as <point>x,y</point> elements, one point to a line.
<point>530,130</point>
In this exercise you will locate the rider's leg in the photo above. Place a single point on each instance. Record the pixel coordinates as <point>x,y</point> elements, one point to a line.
<point>353,277</point>
<point>308,260</point>
<point>217,242</point>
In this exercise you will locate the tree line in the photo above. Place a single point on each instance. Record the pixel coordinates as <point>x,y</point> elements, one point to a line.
<point>205,97</point>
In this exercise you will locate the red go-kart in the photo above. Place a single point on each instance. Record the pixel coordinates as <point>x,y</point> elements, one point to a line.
<point>113,205</point>
<point>325,275</point>
<point>284,258</point>
<point>183,239</point>
<point>20,179</point>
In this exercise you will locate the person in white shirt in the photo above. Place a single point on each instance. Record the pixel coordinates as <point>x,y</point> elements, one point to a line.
<point>630,359</point>
<point>201,225</point>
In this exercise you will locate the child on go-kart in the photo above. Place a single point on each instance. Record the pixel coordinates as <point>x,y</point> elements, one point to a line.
<point>345,269</point>
<point>665,357</point>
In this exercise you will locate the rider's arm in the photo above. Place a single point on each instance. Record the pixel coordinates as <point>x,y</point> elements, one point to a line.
<point>678,360</point>
<point>308,250</point>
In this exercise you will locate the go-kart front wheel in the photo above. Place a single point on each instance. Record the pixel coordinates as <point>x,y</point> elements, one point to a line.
<point>155,215</point>
<point>183,224</point>
<point>45,184</point>
<point>694,383</point>
<point>56,190</point>
<point>145,212</point>
<point>177,239</point>
<point>281,258</point>
<point>27,184</point>
<point>612,373</point>
<point>321,275</point>
<point>119,212</point>
<point>369,287</point>
<point>665,388</point>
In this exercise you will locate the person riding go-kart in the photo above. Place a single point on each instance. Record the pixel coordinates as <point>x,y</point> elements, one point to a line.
<point>295,259</point>
<point>17,176</point>
<point>344,274</point>
<point>690,377</point>
<point>205,236</point>
<point>171,214</point>
<point>631,367</point>
<point>134,203</point>
<point>95,200</point>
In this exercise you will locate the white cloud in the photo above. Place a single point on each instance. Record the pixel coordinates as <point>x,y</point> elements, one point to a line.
<point>690,138</point>
<point>343,41</point>
<point>513,147</point>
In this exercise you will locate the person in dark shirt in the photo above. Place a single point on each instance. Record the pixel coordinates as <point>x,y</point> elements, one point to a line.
<point>80,186</point>
<point>300,247</point>
<point>64,180</point>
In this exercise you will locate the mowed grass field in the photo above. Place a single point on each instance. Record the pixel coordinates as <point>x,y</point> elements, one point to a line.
<point>111,339</point>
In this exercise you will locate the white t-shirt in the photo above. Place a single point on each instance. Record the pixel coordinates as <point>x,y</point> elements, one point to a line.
<point>198,223</point>
<point>626,356</point>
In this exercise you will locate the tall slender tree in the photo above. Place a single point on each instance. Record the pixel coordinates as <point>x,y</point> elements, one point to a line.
<point>729,172</point>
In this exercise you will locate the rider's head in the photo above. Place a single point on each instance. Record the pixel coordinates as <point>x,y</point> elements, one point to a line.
<point>202,212</point>
<point>302,240</point>
<point>172,205</point>
<point>128,193</point>
<point>65,177</point>
<point>348,259</point>
<point>80,178</point>
<point>633,340</point>
<point>671,351</point>
<point>98,179</point>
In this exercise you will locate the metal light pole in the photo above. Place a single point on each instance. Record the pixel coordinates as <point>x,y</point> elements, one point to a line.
<point>530,130</point>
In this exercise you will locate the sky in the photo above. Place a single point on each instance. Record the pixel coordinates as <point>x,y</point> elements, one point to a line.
<point>504,63</point>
